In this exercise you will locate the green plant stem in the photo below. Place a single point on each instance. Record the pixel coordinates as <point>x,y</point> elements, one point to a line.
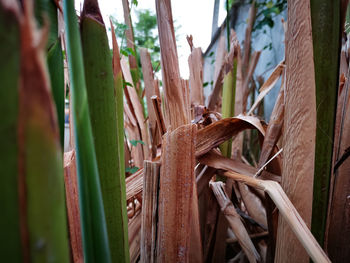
<point>228,103</point>
<point>10,238</point>
<point>325,16</point>
<point>94,229</point>
<point>105,106</point>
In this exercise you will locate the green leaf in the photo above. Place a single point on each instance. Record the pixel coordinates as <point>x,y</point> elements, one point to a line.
<point>135,2</point>
<point>135,142</point>
<point>93,222</point>
<point>131,170</point>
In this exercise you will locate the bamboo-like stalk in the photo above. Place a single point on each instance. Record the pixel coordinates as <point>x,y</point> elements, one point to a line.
<point>228,102</point>
<point>10,238</point>
<point>326,37</point>
<point>102,101</point>
<point>299,128</point>
<point>288,212</point>
<point>93,222</point>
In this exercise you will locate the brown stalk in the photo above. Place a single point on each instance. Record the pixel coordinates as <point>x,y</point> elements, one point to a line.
<point>137,107</point>
<point>133,133</point>
<point>248,36</point>
<point>149,211</point>
<point>234,221</point>
<point>176,113</point>
<point>130,39</point>
<point>288,212</point>
<point>299,128</point>
<point>337,228</point>
<point>159,116</point>
<point>252,202</point>
<point>134,229</point>
<point>72,201</point>
<point>274,129</point>
<point>249,74</point>
<point>195,63</point>
<point>175,195</point>
<point>149,92</point>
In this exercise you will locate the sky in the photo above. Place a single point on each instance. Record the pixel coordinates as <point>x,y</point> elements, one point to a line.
<point>193,16</point>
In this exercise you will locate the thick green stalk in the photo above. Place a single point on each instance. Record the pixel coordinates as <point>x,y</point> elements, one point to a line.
<point>94,229</point>
<point>106,108</point>
<point>228,103</point>
<point>325,16</point>
<point>10,239</point>
<point>54,57</point>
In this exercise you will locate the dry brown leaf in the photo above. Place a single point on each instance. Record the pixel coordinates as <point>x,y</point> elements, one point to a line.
<point>268,85</point>
<point>234,221</point>
<point>73,211</point>
<point>288,212</point>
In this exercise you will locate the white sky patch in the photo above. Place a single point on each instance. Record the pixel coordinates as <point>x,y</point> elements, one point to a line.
<point>193,16</point>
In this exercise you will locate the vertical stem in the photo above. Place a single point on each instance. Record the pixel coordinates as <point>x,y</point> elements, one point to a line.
<point>325,16</point>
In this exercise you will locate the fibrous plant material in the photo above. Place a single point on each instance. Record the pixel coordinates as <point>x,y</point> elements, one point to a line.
<point>102,101</point>
<point>159,116</point>
<point>72,202</point>
<point>175,196</point>
<point>33,225</point>
<point>176,113</point>
<point>195,63</point>
<point>134,226</point>
<point>268,85</point>
<point>288,212</point>
<point>235,222</point>
<point>136,107</point>
<point>274,128</point>
<point>326,35</point>
<point>93,222</point>
<point>299,128</point>
<point>150,91</point>
<point>218,132</point>
<point>129,33</point>
<point>337,228</point>
<point>248,37</point>
<point>216,160</point>
<point>149,212</point>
